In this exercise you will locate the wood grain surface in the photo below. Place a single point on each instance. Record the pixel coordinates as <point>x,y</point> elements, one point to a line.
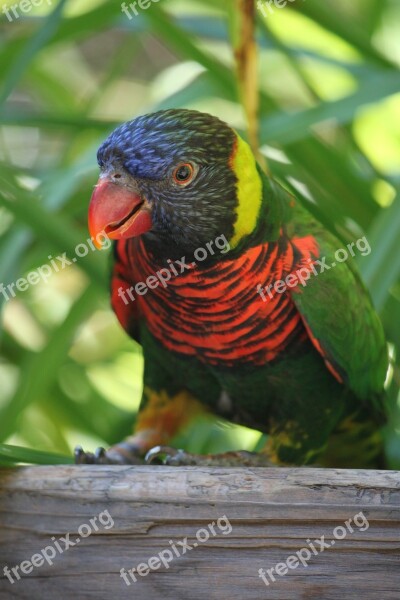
<point>254,519</point>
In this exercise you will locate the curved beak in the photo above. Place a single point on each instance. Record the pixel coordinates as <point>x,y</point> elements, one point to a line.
<point>117,212</point>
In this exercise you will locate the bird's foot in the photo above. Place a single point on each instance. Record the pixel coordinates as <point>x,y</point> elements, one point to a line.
<point>173,457</point>
<point>120,454</point>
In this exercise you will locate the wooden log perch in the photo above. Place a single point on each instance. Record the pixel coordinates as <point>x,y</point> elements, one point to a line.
<point>199,533</point>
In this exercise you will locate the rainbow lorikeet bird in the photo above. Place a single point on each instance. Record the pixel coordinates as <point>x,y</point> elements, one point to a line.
<point>207,259</point>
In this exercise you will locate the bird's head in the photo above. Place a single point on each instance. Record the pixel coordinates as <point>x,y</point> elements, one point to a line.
<point>179,176</point>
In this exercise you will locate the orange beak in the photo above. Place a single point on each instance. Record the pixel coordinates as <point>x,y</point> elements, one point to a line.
<point>117,212</point>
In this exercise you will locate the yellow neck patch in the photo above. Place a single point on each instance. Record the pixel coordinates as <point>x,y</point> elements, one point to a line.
<point>249,191</point>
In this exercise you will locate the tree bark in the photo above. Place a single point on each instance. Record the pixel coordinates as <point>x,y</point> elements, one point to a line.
<point>254,519</point>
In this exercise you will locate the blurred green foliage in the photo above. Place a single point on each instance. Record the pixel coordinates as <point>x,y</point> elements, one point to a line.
<point>330,128</point>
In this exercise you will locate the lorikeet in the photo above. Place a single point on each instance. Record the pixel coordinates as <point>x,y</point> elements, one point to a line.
<point>203,239</point>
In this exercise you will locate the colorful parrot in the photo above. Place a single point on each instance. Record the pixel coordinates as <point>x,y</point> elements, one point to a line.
<point>207,257</point>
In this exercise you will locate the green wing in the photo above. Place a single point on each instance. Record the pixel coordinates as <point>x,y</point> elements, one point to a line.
<point>339,316</point>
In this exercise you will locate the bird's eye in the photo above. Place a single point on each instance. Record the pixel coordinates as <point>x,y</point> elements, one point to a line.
<point>184,173</point>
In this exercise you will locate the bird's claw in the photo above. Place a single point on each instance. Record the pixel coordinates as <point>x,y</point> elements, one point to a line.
<point>168,456</point>
<point>82,457</point>
<point>128,454</point>
<point>121,454</point>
